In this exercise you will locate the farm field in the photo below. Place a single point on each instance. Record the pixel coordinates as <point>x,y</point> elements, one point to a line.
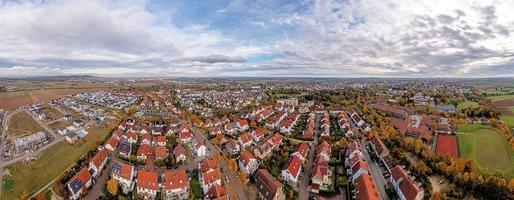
<point>13,100</point>
<point>488,147</point>
<point>505,105</point>
<point>467,104</point>
<point>59,124</point>
<point>51,163</point>
<point>52,113</point>
<point>22,124</point>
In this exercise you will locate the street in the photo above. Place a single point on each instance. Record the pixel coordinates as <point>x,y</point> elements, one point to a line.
<point>216,150</point>
<point>376,173</point>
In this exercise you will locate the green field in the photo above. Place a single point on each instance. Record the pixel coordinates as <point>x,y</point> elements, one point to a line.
<point>51,163</point>
<point>466,104</point>
<point>488,147</point>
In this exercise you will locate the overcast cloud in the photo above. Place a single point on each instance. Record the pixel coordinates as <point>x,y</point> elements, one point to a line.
<point>324,38</point>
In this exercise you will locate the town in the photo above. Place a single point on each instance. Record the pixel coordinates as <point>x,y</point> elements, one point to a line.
<point>301,139</point>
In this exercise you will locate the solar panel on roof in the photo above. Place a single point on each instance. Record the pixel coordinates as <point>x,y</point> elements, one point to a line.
<point>76,185</point>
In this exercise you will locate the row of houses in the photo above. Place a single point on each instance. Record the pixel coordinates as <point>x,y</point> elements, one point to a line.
<point>404,184</point>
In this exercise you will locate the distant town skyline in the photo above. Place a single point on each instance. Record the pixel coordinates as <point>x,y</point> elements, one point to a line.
<point>320,38</point>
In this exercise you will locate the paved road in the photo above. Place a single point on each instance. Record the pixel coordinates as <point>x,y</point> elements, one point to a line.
<point>97,189</point>
<point>216,150</point>
<point>376,173</point>
<point>303,192</point>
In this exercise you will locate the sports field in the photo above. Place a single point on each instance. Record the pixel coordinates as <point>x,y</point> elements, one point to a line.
<point>22,124</point>
<point>488,147</point>
<point>51,163</point>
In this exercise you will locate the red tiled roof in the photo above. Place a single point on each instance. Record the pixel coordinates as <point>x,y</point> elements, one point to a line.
<point>147,179</point>
<point>246,137</point>
<point>113,142</point>
<point>175,179</point>
<point>99,158</point>
<point>365,189</point>
<point>294,166</point>
<point>161,139</point>
<point>303,148</point>
<point>83,176</point>
<point>216,192</point>
<point>407,186</point>
<point>266,184</point>
<point>161,152</point>
<point>126,171</point>
<point>246,157</point>
<point>144,149</point>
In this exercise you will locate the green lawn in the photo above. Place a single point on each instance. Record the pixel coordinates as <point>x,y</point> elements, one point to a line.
<point>466,104</point>
<point>508,119</point>
<point>488,147</point>
<point>51,163</point>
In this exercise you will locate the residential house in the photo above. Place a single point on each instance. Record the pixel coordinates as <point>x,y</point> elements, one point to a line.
<point>125,174</point>
<point>232,146</point>
<point>180,153</point>
<point>247,162</point>
<point>111,144</point>
<point>98,162</point>
<point>125,148</point>
<point>216,192</point>
<point>161,153</point>
<point>302,151</point>
<point>79,184</point>
<point>176,184</point>
<point>199,147</point>
<point>209,174</point>
<point>365,189</point>
<point>245,140</point>
<point>268,187</point>
<point>144,152</point>
<point>404,185</point>
<point>147,184</point>
<point>291,172</point>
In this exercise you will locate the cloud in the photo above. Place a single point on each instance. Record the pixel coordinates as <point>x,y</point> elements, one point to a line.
<point>356,38</point>
<point>214,58</point>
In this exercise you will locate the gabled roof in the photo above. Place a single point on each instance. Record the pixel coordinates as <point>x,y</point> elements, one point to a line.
<point>147,179</point>
<point>144,149</point>
<point>365,189</point>
<point>161,139</point>
<point>216,192</point>
<point>266,184</point>
<point>113,142</point>
<point>123,170</point>
<point>407,186</point>
<point>303,148</point>
<point>246,156</point>
<point>179,150</point>
<point>246,137</point>
<point>99,158</point>
<point>80,179</point>
<point>294,165</point>
<point>208,164</point>
<point>161,152</point>
<point>175,179</point>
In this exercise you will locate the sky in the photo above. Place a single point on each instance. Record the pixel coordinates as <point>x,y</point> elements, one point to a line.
<point>265,38</point>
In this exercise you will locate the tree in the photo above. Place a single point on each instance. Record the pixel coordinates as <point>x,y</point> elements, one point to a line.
<point>112,186</point>
<point>232,165</point>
